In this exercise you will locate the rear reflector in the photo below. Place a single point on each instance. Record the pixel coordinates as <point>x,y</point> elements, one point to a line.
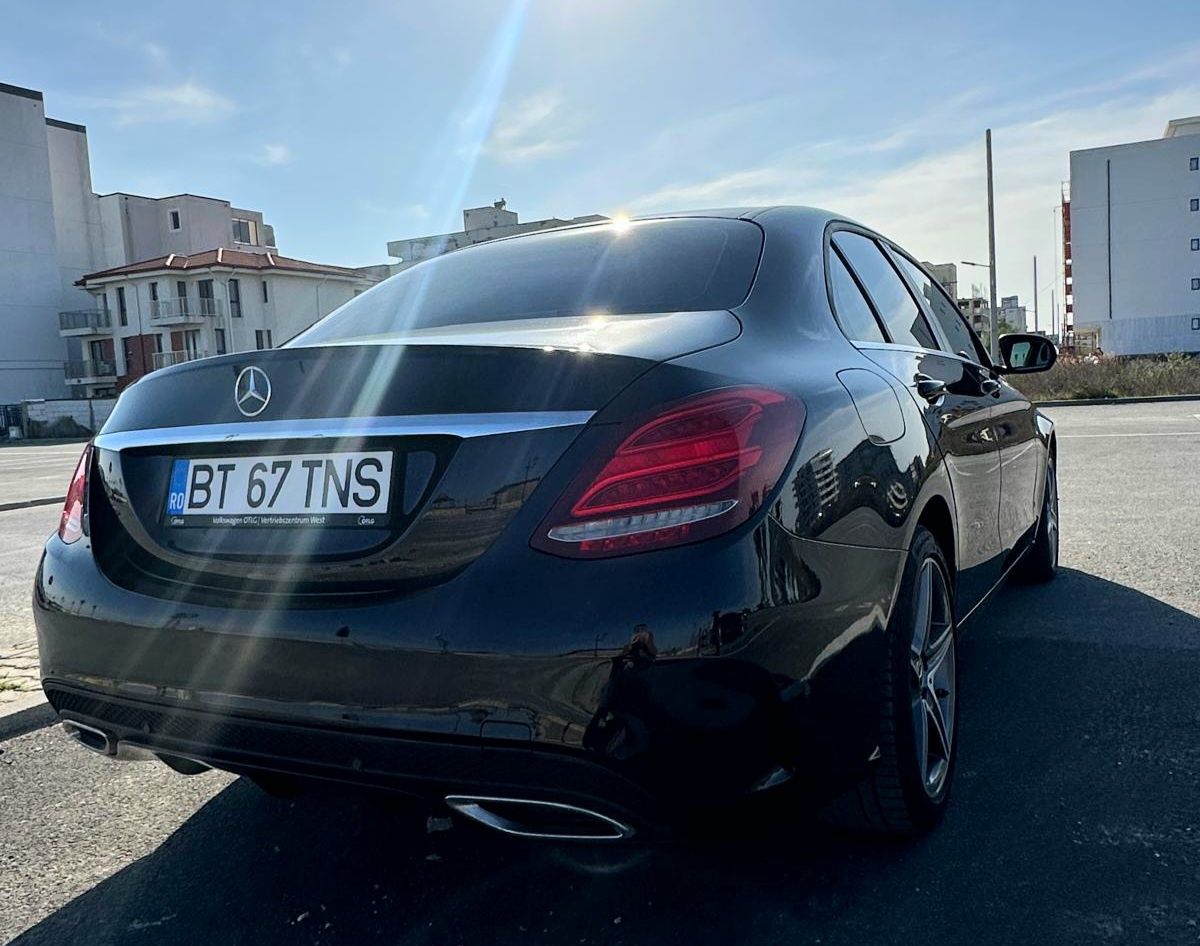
<point>696,469</point>
<point>70,524</point>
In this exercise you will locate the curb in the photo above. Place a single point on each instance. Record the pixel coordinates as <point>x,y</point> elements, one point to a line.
<point>26,503</point>
<point>27,713</point>
<point>1093,401</point>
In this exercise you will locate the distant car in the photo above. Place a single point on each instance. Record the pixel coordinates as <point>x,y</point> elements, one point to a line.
<point>576,532</point>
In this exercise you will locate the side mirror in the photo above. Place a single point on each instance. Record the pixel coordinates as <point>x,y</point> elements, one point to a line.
<point>1025,354</point>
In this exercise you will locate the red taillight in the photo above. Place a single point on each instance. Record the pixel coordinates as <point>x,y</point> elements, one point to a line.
<point>70,526</point>
<point>699,468</point>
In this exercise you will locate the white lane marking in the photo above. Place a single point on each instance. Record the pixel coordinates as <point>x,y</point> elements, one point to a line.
<point>1148,433</point>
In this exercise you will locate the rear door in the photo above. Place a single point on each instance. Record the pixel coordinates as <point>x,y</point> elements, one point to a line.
<point>1014,421</point>
<point>950,392</point>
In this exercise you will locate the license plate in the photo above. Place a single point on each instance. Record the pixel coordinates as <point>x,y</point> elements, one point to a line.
<point>299,489</point>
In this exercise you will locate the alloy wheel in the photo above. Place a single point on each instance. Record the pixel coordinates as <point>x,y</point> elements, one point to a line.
<point>1051,512</point>
<point>932,681</point>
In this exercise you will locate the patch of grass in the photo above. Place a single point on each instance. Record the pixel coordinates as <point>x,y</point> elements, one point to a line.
<point>1135,376</point>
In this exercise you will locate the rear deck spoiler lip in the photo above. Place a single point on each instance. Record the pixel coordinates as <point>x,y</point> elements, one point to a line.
<point>464,426</point>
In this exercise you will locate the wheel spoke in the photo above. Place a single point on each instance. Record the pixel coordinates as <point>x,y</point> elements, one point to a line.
<point>938,726</point>
<point>939,647</point>
<point>924,610</point>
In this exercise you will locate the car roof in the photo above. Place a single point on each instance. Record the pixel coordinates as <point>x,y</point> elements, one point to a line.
<point>795,211</point>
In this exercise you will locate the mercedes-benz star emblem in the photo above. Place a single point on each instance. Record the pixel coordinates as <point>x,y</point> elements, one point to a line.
<point>251,391</point>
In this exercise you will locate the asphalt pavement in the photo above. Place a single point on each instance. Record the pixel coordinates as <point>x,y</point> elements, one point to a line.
<point>33,471</point>
<point>1074,816</point>
<point>22,534</point>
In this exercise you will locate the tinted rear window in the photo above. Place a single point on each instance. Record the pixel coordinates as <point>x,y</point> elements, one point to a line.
<point>681,265</point>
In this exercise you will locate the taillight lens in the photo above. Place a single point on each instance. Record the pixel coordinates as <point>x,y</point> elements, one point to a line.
<point>70,526</point>
<point>698,468</point>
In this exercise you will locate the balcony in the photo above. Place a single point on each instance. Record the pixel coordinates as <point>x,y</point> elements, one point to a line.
<point>164,359</point>
<point>185,311</point>
<point>85,322</point>
<point>89,371</point>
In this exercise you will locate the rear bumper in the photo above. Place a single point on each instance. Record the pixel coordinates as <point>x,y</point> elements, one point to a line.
<point>428,768</point>
<point>764,665</point>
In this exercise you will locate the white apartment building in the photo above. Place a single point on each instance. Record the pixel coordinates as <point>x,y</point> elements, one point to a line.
<point>480,224</point>
<point>47,234</point>
<point>54,229</point>
<point>1133,257</point>
<point>175,308</point>
<point>1013,313</point>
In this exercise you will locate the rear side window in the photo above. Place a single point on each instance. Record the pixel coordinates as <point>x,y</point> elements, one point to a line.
<point>853,311</point>
<point>680,265</point>
<point>894,303</point>
<point>954,327</point>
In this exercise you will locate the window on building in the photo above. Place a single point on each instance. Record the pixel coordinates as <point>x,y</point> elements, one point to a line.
<point>191,343</point>
<point>893,301</point>
<point>1195,244</point>
<point>244,231</point>
<point>220,333</point>
<point>265,292</point>
<point>181,289</point>
<point>1194,164</point>
<point>153,292</point>
<point>235,299</point>
<point>176,221</point>
<point>208,305</point>
<point>262,338</point>
<point>858,321</point>
<point>1195,204</point>
<point>1196,325</point>
<point>122,311</point>
<point>1196,284</point>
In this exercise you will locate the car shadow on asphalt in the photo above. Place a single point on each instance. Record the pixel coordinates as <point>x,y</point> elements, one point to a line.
<point>1072,821</point>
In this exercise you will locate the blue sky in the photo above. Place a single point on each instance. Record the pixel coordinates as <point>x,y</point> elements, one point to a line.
<point>353,124</point>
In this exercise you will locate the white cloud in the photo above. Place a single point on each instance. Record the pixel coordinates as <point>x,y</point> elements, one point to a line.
<point>274,155</point>
<point>537,126</point>
<point>186,102</point>
<point>935,203</point>
<point>155,53</point>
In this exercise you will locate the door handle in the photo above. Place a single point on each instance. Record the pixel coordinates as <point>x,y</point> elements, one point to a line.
<point>929,388</point>
<point>989,386</point>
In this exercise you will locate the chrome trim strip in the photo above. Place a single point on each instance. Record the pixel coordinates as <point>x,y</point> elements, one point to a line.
<point>456,425</point>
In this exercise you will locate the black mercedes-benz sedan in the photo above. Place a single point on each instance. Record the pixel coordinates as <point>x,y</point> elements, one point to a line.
<point>578,532</point>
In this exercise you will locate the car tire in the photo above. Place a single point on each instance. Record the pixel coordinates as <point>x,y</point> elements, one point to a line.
<point>908,787</point>
<point>1040,563</point>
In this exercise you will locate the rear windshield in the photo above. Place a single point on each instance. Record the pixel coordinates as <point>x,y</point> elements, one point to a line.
<point>675,265</point>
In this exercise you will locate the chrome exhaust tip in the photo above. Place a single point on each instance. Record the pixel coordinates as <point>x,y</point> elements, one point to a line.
<point>91,738</point>
<point>546,820</point>
<point>102,743</point>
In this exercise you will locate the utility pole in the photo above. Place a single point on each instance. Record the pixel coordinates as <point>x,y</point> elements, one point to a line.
<point>992,319</point>
<point>1035,294</point>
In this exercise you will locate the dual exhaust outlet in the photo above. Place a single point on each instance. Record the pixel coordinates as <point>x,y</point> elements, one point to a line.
<point>522,817</point>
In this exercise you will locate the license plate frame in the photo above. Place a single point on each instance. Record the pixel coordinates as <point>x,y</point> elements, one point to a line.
<point>309,489</point>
